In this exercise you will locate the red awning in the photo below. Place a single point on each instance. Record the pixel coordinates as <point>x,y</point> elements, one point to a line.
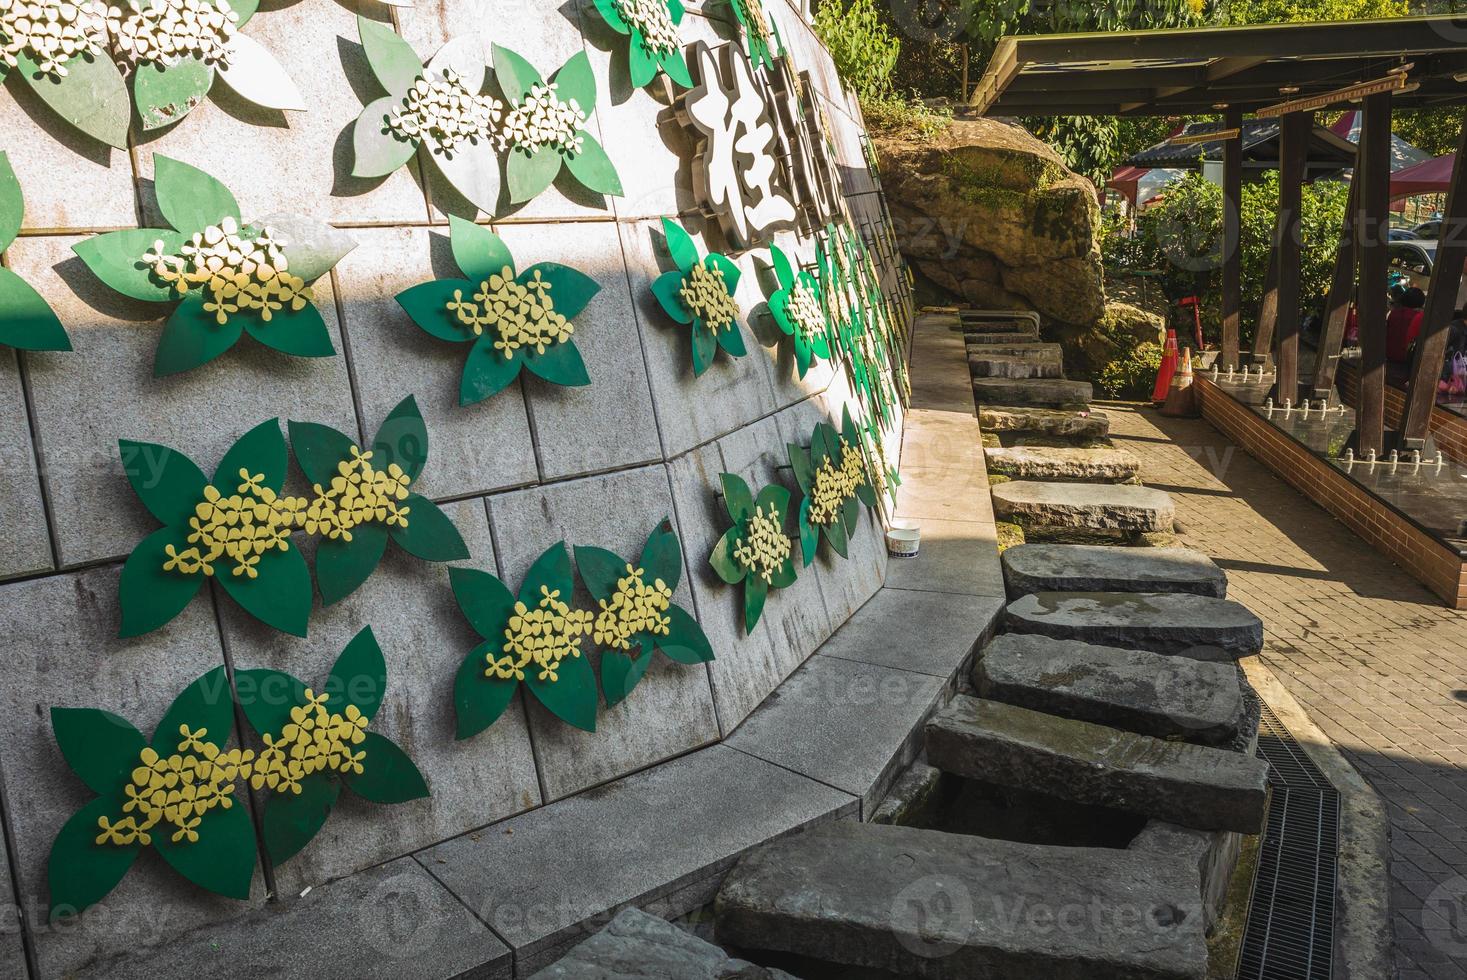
<point>1431,177</point>
<point>1127,180</point>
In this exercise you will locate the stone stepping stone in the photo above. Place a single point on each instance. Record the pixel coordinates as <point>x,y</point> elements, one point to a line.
<point>638,946</point>
<point>1195,626</point>
<point>1020,348</point>
<point>1110,568</point>
<point>1096,506</point>
<point>1190,785</point>
<point>923,903</point>
<point>1046,421</point>
<point>1141,692</point>
<point>978,337</point>
<point>984,365</point>
<point>1047,392</point>
<point>1100,465</point>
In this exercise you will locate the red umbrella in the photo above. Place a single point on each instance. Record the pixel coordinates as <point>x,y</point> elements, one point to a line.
<point>1127,180</point>
<point>1430,177</point>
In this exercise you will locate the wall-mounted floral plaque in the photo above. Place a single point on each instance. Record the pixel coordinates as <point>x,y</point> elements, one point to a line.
<point>81,56</point>
<point>227,277</point>
<point>761,36</point>
<point>637,614</point>
<point>700,293</point>
<point>27,321</point>
<point>653,41</point>
<point>511,320</point>
<point>833,477</point>
<point>756,550</point>
<point>237,528</point>
<point>178,792</point>
<point>799,310</point>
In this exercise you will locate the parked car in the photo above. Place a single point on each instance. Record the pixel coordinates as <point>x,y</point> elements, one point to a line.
<point>1403,235</point>
<point>1411,261</point>
<point>1430,230</point>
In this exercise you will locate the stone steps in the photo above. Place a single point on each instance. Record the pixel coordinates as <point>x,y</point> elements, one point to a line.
<point>1014,366</point>
<point>638,946</point>
<point>981,335</point>
<point>923,903</point>
<point>1189,785</point>
<point>1084,505</point>
<point>1043,392</point>
<point>1196,626</point>
<point>1063,463</point>
<point>1110,568</point>
<point>1146,693</point>
<point>1043,421</point>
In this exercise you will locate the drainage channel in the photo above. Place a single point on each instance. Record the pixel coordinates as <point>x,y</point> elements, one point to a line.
<point>1290,930</point>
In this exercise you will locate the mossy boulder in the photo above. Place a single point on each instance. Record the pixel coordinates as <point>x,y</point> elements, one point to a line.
<point>1123,333</point>
<point>990,213</point>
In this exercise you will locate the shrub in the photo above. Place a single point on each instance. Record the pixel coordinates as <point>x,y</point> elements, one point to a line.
<point>1132,375</point>
<point>864,49</point>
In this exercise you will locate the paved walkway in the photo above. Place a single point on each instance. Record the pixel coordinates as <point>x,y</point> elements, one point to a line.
<point>1377,661</point>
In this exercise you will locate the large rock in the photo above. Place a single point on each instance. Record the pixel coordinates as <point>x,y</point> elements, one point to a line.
<point>995,217</point>
<point>1046,421</point>
<point>1191,625</point>
<point>1191,785</point>
<point>1119,333</point>
<point>925,904</point>
<point>1095,506</point>
<point>1110,568</point>
<point>638,946</point>
<point>1048,392</point>
<point>1099,465</point>
<point>1141,692</point>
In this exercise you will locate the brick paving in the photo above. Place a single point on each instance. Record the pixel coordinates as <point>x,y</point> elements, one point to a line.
<point>1378,662</point>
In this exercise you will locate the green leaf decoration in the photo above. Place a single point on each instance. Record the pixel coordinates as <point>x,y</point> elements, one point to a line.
<point>318,449</point>
<point>478,701</point>
<point>529,172</point>
<point>680,245</point>
<point>79,871</point>
<point>620,673</point>
<point>571,697</point>
<point>222,859</point>
<point>665,287</point>
<point>662,555</point>
<point>430,535</point>
<point>575,80</point>
<point>165,93</point>
<point>190,199</point>
<point>92,96</point>
<point>485,601</point>
<point>388,775</point>
<point>686,643</point>
<point>280,596</point>
<point>540,304</point>
<point>150,596</point>
<point>835,478</point>
<point>300,333</point>
<point>205,707</point>
<point>26,319</point>
<point>193,337</point>
<point>12,203</point>
<point>755,551</point>
<point>516,75</point>
<point>798,308</point>
<point>343,566</point>
<point>116,258</point>
<point>643,60</point>
<point>593,168</point>
<point>402,439</point>
<point>394,62</point>
<point>712,282</point>
<point>609,13</point>
<point>100,747</point>
<point>358,677</point>
<point>267,697</point>
<point>291,820</point>
<point>376,150</point>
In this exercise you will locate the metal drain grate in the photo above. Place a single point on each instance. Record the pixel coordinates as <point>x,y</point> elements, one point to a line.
<point>1290,930</point>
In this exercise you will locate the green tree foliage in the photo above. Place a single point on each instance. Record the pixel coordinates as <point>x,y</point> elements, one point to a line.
<point>1304,11</point>
<point>862,45</point>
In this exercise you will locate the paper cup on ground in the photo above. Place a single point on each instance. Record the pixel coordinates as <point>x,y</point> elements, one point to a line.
<point>903,539</point>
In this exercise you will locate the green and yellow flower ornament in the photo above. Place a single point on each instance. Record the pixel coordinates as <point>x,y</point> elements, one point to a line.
<point>755,550</point>
<point>761,36</point>
<point>544,128</point>
<point>27,321</point>
<point>833,477</point>
<point>653,41</point>
<point>81,57</point>
<point>180,791</point>
<point>227,277</point>
<point>533,638</point>
<point>798,309</point>
<point>700,293</point>
<point>636,614</point>
<point>510,320</point>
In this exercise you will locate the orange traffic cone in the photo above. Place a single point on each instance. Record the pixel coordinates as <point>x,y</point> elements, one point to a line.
<point>1167,370</point>
<point>1181,397</point>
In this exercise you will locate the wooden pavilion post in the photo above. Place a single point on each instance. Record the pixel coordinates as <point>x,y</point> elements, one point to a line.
<point>1232,269</point>
<point>1341,292</point>
<point>1446,278</point>
<point>1268,310</point>
<point>1372,227</point>
<point>1295,128</point>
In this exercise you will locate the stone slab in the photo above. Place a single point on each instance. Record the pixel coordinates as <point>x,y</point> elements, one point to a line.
<point>927,632</point>
<point>979,338</point>
<point>1047,392</point>
<point>671,711</point>
<point>943,474</point>
<point>1191,785</point>
<point>1192,625</point>
<point>1014,366</point>
<point>1146,693</point>
<point>660,839</point>
<point>25,543</point>
<point>1027,418</point>
<point>638,946</point>
<point>1033,349</point>
<point>850,725</point>
<point>391,921</point>
<point>1084,505</point>
<point>1064,463</point>
<point>1215,852</point>
<point>922,903</point>
<point>12,946</point>
<point>958,557</point>
<point>1111,568</point>
<point>910,795</point>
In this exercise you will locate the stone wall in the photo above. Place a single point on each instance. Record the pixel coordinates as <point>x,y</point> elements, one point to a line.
<point>534,465</point>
